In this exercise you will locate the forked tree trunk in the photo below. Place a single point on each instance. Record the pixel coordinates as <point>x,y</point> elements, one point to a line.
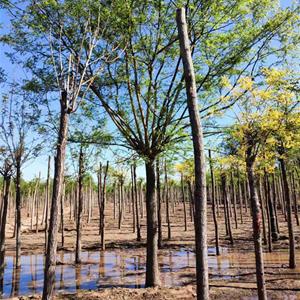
<point>287,197</point>
<point>80,207</point>
<point>199,159</point>
<point>49,275</point>
<point>152,271</point>
<point>256,223</point>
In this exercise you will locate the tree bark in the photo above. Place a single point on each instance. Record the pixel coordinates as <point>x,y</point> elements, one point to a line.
<point>213,198</point>
<point>240,195</point>
<point>152,271</point>
<point>234,199</point>
<point>49,275</point>
<point>226,207</point>
<point>167,199</point>
<point>158,193</point>
<point>137,215</point>
<point>295,199</point>
<point>47,202</point>
<point>62,225</point>
<point>80,207</point>
<point>18,213</point>
<point>7,181</point>
<point>103,203</point>
<point>200,221</point>
<point>184,205</point>
<point>287,197</point>
<point>132,201</point>
<point>256,223</point>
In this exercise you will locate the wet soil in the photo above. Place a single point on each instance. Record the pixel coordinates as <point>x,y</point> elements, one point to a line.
<point>118,273</point>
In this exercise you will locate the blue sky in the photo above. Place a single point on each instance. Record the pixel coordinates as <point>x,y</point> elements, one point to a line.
<point>14,71</point>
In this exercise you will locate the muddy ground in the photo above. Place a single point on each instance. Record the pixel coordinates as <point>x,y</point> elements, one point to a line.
<point>232,275</point>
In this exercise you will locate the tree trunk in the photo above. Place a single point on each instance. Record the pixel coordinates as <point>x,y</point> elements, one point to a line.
<point>18,213</point>
<point>226,207</point>
<point>167,199</point>
<point>295,199</point>
<point>100,195</point>
<point>287,197</point>
<point>115,186</point>
<point>191,197</point>
<point>49,275</point>
<point>234,200</point>
<point>62,226</point>
<point>268,215</point>
<point>158,193</point>
<point>132,201</point>
<point>275,198</point>
<point>47,202</point>
<point>271,205</point>
<point>137,215</point>
<point>256,223</point>
<point>121,200</point>
<point>240,195</point>
<point>184,205</point>
<point>7,180</point>
<point>152,271</point>
<point>37,204</point>
<point>80,207</point>
<point>89,196</point>
<point>261,199</point>
<point>102,233</point>
<point>200,221</point>
<point>213,198</point>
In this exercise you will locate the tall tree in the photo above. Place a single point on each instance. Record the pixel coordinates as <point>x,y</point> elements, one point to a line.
<point>199,158</point>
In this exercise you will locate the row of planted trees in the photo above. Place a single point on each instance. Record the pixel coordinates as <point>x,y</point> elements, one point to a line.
<point>228,194</point>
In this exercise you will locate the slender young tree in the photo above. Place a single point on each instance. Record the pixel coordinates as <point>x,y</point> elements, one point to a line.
<point>103,204</point>
<point>199,158</point>
<point>18,132</point>
<point>7,172</point>
<point>81,171</point>
<point>213,188</point>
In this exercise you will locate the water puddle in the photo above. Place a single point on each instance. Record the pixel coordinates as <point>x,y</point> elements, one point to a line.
<point>122,268</point>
